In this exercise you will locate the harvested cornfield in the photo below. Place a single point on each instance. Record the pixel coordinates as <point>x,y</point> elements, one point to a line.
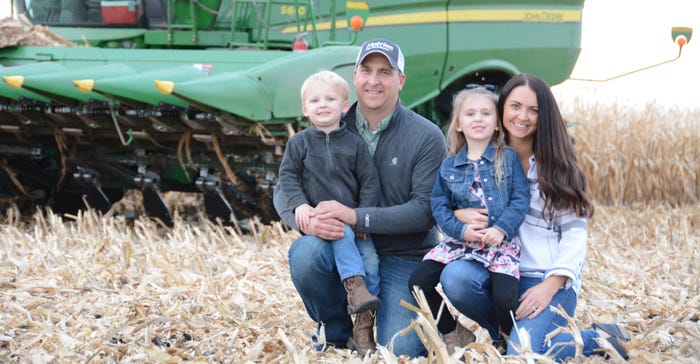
<point>104,289</point>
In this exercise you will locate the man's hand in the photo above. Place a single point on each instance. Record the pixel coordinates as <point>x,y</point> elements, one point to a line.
<point>335,210</point>
<point>325,228</point>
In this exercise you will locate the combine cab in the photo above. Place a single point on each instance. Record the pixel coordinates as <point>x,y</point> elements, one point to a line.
<point>201,95</point>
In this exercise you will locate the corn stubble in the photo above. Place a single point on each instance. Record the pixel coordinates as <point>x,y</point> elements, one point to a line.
<point>104,289</point>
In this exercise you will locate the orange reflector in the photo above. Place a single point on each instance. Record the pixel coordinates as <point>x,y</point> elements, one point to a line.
<point>681,40</point>
<point>356,22</point>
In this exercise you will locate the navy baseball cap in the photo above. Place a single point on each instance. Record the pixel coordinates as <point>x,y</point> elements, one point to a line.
<point>389,49</point>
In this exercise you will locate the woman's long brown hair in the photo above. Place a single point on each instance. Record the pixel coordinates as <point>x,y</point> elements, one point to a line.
<point>562,183</point>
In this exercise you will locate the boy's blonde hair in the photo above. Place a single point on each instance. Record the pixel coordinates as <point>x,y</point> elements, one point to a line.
<point>456,139</point>
<point>326,78</point>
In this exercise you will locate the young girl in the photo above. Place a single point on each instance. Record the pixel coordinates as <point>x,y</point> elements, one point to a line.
<point>480,172</point>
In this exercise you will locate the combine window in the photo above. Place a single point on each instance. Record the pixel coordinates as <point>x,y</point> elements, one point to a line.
<point>89,13</point>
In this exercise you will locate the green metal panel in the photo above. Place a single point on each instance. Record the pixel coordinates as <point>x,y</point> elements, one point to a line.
<point>540,37</point>
<point>237,92</point>
<point>139,59</point>
<point>60,87</point>
<point>140,88</point>
<point>200,13</point>
<point>98,36</point>
<point>26,70</point>
<point>192,38</point>
<point>283,85</point>
<point>269,88</point>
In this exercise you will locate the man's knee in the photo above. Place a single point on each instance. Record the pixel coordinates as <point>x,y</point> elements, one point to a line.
<point>310,256</point>
<point>309,248</point>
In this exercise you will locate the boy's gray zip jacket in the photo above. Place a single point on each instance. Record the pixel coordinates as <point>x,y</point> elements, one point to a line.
<point>336,166</point>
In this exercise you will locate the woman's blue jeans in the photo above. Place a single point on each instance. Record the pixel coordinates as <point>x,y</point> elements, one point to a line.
<point>467,285</point>
<point>315,276</point>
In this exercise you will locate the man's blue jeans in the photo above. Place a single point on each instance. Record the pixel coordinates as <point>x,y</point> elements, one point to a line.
<point>467,285</point>
<point>355,256</point>
<point>315,276</point>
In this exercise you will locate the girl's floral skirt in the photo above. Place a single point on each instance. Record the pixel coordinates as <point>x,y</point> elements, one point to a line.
<point>504,258</point>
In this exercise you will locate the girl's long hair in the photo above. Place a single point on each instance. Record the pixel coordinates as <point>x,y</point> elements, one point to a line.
<point>562,183</point>
<point>456,139</point>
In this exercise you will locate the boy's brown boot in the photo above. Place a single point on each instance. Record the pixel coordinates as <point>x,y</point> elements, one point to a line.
<point>362,339</point>
<point>359,298</point>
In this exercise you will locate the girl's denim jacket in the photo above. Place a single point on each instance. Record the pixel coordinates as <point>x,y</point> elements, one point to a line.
<point>507,202</point>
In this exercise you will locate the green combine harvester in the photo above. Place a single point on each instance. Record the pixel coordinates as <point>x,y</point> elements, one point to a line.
<point>201,95</point>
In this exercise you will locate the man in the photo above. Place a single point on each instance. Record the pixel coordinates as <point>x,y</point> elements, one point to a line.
<point>407,150</point>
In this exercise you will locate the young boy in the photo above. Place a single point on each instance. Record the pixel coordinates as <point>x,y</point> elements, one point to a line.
<point>328,162</point>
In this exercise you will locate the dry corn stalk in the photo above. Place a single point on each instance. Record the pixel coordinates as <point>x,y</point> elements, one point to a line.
<point>21,32</point>
<point>213,293</point>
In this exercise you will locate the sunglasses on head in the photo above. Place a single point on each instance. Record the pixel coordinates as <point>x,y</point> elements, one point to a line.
<point>471,86</point>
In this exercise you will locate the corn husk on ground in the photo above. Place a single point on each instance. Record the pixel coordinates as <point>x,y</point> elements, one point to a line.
<point>98,289</point>
<point>107,289</point>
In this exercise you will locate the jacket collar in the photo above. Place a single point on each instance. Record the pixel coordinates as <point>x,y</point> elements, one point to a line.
<point>489,154</point>
<point>351,116</point>
<point>318,132</point>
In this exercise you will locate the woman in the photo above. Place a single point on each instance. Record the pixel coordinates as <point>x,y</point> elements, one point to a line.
<point>553,234</point>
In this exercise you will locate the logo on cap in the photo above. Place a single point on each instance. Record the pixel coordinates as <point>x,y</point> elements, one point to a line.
<point>390,50</point>
<point>379,45</point>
